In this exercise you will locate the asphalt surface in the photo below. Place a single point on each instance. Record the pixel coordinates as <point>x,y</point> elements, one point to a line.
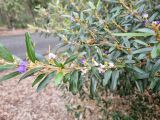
<point>16,44</point>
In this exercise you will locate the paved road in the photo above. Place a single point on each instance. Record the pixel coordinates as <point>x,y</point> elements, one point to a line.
<point>16,44</point>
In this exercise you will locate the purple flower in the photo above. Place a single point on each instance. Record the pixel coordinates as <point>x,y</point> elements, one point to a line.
<point>72,27</point>
<point>22,67</point>
<point>72,19</point>
<point>94,57</point>
<point>82,61</point>
<point>158,22</point>
<point>106,52</point>
<point>144,23</point>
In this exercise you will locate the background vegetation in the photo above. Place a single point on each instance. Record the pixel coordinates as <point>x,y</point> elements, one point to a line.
<point>19,13</point>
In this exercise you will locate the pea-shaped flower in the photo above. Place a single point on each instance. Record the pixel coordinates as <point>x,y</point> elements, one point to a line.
<point>83,61</point>
<point>22,67</point>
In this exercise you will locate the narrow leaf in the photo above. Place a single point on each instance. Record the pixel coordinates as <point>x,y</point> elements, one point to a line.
<point>74,82</point>
<point>31,72</point>
<point>139,85</point>
<point>5,54</point>
<point>30,48</point>
<point>9,76</point>
<point>134,34</point>
<point>38,79</point>
<point>145,30</point>
<point>58,78</point>
<point>70,59</point>
<point>107,76</point>
<point>46,81</point>
<point>7,67</point>
<point>154,52</point>
<point>93,87</point>
<point>115,76</point>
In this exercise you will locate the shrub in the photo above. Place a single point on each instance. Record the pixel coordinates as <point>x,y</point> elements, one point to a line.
<point>114,46</point>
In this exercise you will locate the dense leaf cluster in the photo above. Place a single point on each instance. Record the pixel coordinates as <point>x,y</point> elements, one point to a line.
<point>121,28</point>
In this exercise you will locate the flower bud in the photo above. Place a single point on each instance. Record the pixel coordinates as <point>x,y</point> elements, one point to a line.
<point>51,56</point>
<point>145,15</point>
<point>111,65</point>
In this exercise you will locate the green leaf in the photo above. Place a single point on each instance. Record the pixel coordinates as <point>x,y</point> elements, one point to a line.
<point>80,81</point>
<point>66,78</point>
<point>99,52</point>
<point>9,76</point>
<point>107,76</point>
<point>154,52</point>
<point>158,49</point>
<point>31,72</point>
<point>136,69</point>
<point>152,18</point>
<point>74,82</point>
<point>70,59</point>
<point>153,83</point>
<point>155,68</point>
<point>7,67</point>
<point>141,42</point>
<point>134,34</point>
<point>139,85</point>
<point>38,79</point>
<point>143,50</point>
<point>145,30</point>
<point>93,87</point>
<point>95,72</point>
<point>141,76</point>
<point>115,76</point>
<point>46,81</point>
<point>58,78</point>
<point>91,5</point>
<point>58,64</point>
<point>5,54</point>
<point>30,48</point>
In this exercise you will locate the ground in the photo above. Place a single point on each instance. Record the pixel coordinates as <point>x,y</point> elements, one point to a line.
<point>22,102</point>
<point>5,32</point>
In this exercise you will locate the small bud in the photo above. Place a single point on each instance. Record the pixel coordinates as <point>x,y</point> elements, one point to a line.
<point>154,22</point>
<point>51,56</point>
<point>145,15</point>
<point>96,64</point>
<point>101,70</point>
<point>72,19</point>
<point>83,61</point>
<point>111,65</point>
<point>102,66</point>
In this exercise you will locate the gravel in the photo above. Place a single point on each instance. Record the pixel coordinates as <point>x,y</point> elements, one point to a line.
<point>22,102</point>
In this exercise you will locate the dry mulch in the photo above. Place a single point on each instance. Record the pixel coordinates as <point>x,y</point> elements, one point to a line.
<point>22,102</point>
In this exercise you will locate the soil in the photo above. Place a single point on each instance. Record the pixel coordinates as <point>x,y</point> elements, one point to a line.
<point>22,102</point>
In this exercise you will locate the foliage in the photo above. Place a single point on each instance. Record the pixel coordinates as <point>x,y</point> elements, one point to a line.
<point>114,46</point>
<point>111,32</point>
<point>12,12</point>
<point>12,9</point>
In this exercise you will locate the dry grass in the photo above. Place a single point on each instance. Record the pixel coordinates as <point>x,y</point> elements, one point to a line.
<point>21,102</point>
